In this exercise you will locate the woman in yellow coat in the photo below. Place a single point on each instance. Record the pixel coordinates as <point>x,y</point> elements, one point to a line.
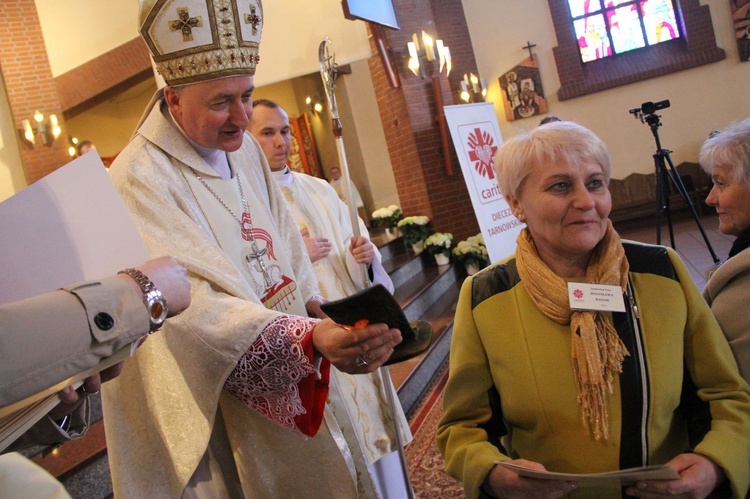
<point>586,354</point>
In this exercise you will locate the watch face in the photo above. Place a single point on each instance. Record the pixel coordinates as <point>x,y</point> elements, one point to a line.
<point>157,307</point>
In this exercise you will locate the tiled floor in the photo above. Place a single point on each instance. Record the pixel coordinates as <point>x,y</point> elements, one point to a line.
<point>689,242</point>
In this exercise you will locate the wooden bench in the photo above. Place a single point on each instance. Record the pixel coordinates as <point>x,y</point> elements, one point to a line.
<point>635,196</point>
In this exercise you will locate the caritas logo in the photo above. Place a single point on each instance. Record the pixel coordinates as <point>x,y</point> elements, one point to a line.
<point>481,152</point>
<point>578,293</point>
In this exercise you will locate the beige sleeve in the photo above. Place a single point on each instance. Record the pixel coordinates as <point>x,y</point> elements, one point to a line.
<point>51,337</point>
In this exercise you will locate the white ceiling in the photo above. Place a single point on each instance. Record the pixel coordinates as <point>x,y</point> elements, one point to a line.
<point>77,31</point>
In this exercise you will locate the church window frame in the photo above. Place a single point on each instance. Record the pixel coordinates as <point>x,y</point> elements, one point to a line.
<point>695,47</point>
<point>608,28</point>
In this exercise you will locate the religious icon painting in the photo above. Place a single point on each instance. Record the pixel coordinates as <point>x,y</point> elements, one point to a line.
<point>741,17</point>
<point>522,91</point>
<point>304,155</point>
<point>298,160</point>
<point>308,144</point>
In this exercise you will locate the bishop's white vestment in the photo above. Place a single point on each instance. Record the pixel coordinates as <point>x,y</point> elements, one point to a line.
<point>170,417</point>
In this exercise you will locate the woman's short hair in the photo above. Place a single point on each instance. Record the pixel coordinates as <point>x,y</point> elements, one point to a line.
<point>557,141</point>
<point>550,118</point>
<point>730,149</point>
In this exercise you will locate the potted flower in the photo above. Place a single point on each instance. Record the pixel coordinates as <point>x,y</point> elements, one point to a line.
<point>415,230</point>
<point>387,218</point>
<point>439,245</point>
<point>472,253</point>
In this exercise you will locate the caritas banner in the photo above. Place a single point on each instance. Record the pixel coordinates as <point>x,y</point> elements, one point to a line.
<point>476,136</point>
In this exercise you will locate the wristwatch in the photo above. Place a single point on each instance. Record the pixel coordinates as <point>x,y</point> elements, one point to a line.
<point>152,297</point>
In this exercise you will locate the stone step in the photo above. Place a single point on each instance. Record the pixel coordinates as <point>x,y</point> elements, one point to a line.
<point>426,292</point>
<point>390,248</point>
<point>418,295</point>
<point>413,376</point>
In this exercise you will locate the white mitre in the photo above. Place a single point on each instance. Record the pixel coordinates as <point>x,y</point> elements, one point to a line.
<point>201,40</point>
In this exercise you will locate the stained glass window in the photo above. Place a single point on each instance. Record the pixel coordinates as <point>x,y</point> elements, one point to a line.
<point>607,27</point>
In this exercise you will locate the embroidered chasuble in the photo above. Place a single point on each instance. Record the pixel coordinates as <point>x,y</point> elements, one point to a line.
<point>171,419</point>
<point>319,212</point>
<point>265,266</point>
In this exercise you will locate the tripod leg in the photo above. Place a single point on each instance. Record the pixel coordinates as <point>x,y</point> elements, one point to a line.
<point>660,198</point>
<point>667,206</point>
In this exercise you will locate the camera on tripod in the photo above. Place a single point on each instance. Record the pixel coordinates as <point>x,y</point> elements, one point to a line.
<point>649,108</point>
<point>666,175</point>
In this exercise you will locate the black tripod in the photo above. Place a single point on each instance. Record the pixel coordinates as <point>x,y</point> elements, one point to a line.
<point>664,175</point>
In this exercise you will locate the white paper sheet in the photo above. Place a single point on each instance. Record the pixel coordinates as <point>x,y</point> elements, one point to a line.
<point>620,477</point>
<point>67,227</point>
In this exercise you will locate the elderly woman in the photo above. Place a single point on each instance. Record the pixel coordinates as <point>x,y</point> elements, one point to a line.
<point>726,157</point>
<point>628,369</point>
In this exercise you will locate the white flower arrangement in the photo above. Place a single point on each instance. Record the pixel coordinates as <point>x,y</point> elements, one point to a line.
<point>415,229</point>
<point>472,250</point>
<point>386,217</point>
<point>439,243</point>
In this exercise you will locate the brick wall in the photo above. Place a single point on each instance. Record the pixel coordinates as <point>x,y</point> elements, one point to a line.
<point>29,84</point>
<point>103,77</point>
<point>409,120</point>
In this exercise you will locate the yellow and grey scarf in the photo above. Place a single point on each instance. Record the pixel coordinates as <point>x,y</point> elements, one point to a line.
<point>596,349</point>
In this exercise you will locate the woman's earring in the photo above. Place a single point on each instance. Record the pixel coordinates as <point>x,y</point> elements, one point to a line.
<point>521,218</point>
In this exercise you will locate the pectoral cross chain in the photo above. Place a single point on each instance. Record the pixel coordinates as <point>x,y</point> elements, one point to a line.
<point>246,227</point>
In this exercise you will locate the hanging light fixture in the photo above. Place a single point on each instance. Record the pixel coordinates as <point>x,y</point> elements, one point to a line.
<point>419,55</point>
<point>473,88</point>
<point>47,131</point>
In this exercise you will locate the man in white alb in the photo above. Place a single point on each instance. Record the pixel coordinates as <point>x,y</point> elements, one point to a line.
<point>230,401</point>
<point>325,223</point>
<point>337,182</point>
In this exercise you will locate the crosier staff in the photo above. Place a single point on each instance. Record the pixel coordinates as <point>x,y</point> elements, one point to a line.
<point>328,73</point>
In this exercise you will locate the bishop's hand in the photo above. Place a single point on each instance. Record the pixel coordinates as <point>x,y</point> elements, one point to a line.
<point>357,350</point>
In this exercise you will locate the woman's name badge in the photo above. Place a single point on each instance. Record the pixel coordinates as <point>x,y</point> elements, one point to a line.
<point>586,296</point>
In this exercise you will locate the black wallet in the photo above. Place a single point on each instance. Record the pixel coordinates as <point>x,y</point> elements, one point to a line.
<point>376,305</point>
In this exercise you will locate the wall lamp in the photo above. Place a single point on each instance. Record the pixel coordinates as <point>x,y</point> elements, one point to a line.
<point>46,131</point>
<point>418,55</point>
<point>314,105</point>
<point>473,88</point>
<point>73,148</point>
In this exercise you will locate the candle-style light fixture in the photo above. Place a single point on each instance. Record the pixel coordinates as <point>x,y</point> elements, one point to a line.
<point>428,51</point>
<point>473,88</point>
<point>44,130</point>
<point>426,54</point>
<point>72,146</point>
<point>314,105</point>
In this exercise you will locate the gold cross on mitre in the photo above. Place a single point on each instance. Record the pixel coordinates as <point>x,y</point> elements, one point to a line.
<point>185,23</point>
<point>253,18</point>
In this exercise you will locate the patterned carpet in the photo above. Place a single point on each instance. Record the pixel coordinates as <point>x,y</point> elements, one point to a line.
<point>426,465</point>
